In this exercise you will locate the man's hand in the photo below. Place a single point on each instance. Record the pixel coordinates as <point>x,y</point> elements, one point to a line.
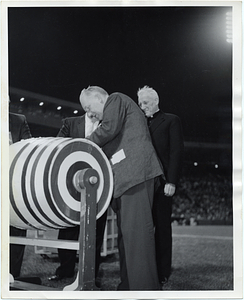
<point>169,189</point>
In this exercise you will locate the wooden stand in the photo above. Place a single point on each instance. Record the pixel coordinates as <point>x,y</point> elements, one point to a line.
<point>86,182</point>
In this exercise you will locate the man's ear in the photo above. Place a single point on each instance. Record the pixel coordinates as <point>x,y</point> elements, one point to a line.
<point>101,99</point>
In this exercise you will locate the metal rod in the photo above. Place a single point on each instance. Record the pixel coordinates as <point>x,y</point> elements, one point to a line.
<point>63,244</point>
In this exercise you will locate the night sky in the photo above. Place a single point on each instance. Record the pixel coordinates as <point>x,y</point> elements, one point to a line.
<point>180,51</point>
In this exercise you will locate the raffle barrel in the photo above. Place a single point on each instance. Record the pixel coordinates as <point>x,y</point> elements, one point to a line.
<point>43,174</point>
<point>58,183</point>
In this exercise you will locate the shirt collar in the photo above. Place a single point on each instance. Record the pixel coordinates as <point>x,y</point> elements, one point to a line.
<point>154,115</point>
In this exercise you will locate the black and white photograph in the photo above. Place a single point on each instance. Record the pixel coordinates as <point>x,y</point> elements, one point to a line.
<point>121,134</point>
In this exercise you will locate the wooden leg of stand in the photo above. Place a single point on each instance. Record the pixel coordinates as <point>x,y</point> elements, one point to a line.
<point>87,239</point>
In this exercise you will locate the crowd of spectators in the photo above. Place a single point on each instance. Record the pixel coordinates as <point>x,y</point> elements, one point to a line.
<point>207,197</point>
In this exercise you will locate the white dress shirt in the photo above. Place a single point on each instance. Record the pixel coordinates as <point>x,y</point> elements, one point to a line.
<point>90,126</point>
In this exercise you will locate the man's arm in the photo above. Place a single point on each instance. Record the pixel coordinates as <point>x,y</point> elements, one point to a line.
<point>176,149</point>
<point>25,130</point>
<point>113,119</point>
<point>175,157</point>
<point>65,129</point>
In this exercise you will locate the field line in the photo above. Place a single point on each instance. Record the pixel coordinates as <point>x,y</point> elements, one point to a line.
<point>230,238</point>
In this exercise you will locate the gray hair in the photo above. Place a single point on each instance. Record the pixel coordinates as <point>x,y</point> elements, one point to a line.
<point>148,91</point>
<point>94,91</point>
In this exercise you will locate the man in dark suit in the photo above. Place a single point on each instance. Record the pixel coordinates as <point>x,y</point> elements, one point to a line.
<point>125,139</point>
<point>167,138</point>
<point>77,127</point>
<point>18,130</point>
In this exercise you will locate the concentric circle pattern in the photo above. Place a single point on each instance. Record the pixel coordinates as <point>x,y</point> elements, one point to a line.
<point>42,193</point>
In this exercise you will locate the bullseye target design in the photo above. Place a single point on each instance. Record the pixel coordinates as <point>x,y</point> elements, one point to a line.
<point>42,193</point>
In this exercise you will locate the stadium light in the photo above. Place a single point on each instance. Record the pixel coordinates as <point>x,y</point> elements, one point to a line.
<point>229,27</point>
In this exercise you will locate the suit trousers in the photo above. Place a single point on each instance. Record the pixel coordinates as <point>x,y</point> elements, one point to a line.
<point>136,243</point>
<point>162,210</point>
<point>16,252</point>
<point>68,257</point>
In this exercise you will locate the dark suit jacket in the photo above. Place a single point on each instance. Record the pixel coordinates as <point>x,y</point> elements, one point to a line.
<point>167,138</point>
<point>18,127</point>
<point>73,127</point>
<point>124,128</point>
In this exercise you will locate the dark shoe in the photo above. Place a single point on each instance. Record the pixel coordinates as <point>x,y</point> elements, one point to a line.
<point>55,278</point>
<point>58,277</point>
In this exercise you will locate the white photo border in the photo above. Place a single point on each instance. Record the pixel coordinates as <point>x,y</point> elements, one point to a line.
<point>237,292</point>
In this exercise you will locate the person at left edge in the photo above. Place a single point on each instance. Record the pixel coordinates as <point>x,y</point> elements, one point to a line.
<point>77,127</point>
<point>18,130</point>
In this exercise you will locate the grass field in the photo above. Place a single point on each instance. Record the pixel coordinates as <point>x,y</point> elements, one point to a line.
<point>202,260</point>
